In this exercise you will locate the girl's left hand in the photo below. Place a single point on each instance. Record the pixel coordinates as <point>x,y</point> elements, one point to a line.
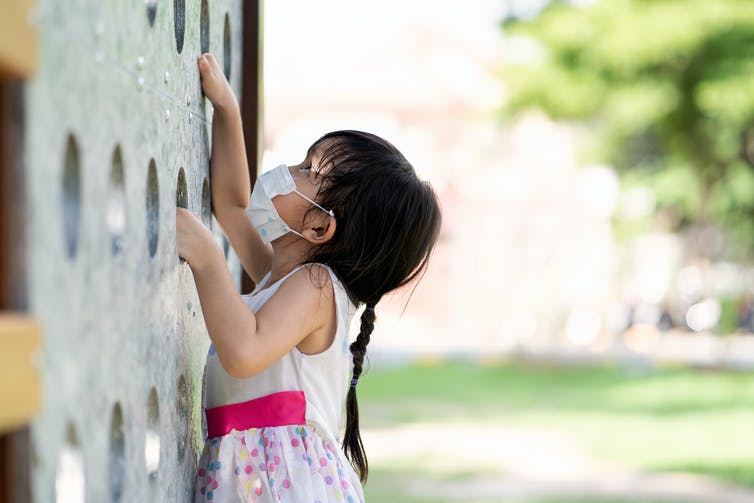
<point>195,242</point>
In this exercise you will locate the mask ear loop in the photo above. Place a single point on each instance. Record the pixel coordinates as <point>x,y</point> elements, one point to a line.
<point>329,212</point>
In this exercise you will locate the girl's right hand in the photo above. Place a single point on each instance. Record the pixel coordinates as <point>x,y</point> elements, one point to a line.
<point>214,83</point>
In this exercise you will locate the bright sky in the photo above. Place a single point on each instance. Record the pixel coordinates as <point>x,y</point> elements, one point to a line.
<point>420,53</point>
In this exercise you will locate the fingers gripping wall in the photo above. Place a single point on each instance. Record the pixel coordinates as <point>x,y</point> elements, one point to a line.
<point>118,134</point>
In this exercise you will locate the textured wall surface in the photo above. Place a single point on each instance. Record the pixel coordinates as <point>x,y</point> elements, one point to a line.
<point>118,134</point>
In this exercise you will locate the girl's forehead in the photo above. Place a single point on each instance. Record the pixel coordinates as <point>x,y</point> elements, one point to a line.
<point>316,151</point>
<point>321,146</point>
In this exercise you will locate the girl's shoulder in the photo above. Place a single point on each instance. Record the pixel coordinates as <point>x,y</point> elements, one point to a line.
<point>319,272</point>
<point>322,280</point>
<point>321,275</point>
<point>317,277</point>
<point>325,277</point>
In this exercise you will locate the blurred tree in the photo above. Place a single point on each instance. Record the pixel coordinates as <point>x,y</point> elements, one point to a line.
<point>667,85</point>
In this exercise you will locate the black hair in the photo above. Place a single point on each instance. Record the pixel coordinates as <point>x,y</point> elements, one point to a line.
<point>388,221</point>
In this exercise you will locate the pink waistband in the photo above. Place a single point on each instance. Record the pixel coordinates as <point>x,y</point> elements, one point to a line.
<point>277,409</point>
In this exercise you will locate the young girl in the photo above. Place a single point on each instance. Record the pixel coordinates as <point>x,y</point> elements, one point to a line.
<point>320,239</point>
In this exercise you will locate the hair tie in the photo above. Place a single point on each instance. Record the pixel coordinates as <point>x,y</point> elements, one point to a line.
<point>354,381</point>
<point>369,308</point>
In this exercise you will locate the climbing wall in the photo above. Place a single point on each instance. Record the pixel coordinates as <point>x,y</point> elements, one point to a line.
<point>118,134</point>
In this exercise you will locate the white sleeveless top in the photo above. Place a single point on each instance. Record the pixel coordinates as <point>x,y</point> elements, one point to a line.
<point>323,377</point>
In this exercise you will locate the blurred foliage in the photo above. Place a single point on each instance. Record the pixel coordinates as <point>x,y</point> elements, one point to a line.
<point>729,315</point>
<point>666,85</point>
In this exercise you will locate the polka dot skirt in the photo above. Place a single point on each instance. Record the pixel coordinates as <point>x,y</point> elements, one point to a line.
<point>284,464</point>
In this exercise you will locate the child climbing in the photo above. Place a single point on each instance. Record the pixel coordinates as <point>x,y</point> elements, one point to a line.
<point>322,240</point>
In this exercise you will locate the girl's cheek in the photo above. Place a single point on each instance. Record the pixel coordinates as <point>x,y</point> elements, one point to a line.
<point>282,205</point>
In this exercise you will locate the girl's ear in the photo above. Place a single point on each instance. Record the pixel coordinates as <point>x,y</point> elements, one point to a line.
<point>320,230</point>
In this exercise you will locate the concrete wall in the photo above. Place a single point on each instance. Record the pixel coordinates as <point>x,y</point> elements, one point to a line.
<point>118,134</point>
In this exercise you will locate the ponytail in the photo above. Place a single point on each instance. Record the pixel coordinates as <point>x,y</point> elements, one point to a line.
<point>352,444</point>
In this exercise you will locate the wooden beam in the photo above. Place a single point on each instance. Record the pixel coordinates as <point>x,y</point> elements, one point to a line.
<point>19,334</point>
<point>20,386</point>
<point>15,464</point>
<point>18,39</point>
<point>251,96</point>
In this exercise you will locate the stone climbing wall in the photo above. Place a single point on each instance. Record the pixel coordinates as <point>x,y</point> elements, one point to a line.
<point>118,134</point>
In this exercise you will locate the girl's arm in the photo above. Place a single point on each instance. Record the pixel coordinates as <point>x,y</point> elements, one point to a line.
<point>229,172</point>
<point>246,343</point>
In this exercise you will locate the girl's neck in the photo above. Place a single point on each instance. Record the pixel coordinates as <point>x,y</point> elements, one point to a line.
<point>287,253</point>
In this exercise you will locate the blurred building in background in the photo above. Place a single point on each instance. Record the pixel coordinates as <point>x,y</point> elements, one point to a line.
<point>527,263</point>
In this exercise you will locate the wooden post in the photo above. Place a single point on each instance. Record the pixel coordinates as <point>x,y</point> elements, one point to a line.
<point>251,96</point>
<point>19,335</point>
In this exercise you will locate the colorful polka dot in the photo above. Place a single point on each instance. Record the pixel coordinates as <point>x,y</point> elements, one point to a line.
<point>268,460</point>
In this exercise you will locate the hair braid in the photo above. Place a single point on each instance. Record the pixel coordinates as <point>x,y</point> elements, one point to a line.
<point>352,444</point>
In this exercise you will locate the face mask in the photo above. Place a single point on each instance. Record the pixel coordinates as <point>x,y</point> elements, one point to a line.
<point>261,211</point>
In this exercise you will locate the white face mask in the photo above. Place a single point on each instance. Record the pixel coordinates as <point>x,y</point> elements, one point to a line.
<point>261,211</point>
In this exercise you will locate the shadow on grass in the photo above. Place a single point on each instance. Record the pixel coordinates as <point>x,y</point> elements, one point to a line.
<point>644,419</point>
<point>388,486</point>
<point>742,472</point>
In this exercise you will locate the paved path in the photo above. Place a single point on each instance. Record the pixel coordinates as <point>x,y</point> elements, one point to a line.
<point>523,463</point>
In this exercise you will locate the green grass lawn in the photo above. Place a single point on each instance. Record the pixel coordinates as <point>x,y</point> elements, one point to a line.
<point>663,420</point>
